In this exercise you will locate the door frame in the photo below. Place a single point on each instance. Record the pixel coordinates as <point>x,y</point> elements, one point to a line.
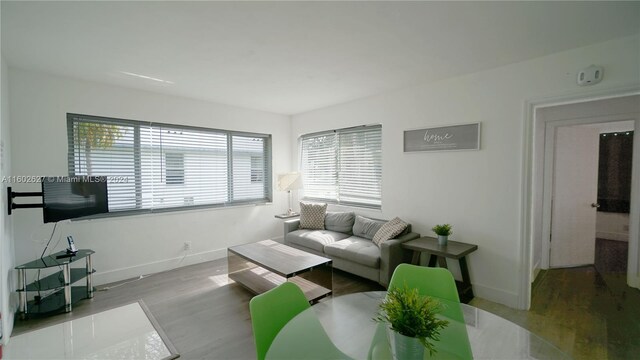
<point>531,214</point>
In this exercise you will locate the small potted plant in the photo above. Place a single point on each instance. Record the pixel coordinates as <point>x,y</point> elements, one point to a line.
<point>412,317</point>
<point>443,231</point>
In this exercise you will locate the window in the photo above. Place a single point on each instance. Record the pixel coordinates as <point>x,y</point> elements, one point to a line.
<point>159,166</point>
<point>174,168</point>
<point>257,169</point>
<point>343,166</point>
<point>614,171</point>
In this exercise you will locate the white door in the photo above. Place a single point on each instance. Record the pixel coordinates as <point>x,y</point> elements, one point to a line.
<point>575,192</point>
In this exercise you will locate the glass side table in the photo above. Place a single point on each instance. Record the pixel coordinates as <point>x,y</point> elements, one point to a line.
<point>60,282</point>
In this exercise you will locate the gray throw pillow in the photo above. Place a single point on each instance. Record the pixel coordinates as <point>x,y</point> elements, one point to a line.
<point>389,230</point>
<point>340,221</point>
<point>312,216</point>
<point>366,228</point>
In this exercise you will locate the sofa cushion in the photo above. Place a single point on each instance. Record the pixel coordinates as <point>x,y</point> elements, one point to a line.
<point>312,216</point>
<point>340,221</point>
<point>365,227</point>
<point>314,239</point>
<point>389,230</point>
<point>355,249</point>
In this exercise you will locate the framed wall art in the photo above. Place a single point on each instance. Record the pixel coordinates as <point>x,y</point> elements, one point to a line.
<point>443,138</point>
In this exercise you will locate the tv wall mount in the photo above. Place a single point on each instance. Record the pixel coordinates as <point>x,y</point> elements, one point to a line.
<point>12,205</point>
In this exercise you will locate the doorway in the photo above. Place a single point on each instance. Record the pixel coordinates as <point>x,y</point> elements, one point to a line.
<point>565,194</point>
<point>591,192</point>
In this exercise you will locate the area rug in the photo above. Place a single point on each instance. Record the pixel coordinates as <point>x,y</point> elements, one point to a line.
<point>126,332</point>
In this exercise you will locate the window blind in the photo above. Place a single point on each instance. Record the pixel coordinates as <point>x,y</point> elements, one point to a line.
<point>156,166</point>
<point>343,166</point>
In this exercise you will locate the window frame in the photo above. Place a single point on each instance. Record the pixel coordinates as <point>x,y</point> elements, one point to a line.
<point>336,133</point>
<point>73,118</point>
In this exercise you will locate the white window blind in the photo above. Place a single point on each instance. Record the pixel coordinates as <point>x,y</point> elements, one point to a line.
<point>343,166</point>
<point>158,166</point>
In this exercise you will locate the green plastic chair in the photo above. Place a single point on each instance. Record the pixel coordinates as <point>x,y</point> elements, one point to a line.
<point>434,282</point>
<point>440,284</point>
<point>271,311</point>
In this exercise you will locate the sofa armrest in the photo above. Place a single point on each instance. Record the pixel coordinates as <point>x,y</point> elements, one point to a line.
<point>291,225</point>
<point>392,254</point>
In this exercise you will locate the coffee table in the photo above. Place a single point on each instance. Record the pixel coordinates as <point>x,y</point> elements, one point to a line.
<point>263,265</point>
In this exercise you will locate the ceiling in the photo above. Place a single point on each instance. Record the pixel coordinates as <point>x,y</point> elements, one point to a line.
<point>293,57</point>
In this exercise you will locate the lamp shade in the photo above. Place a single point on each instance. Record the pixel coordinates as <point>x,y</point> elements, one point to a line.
<point>289,181</point>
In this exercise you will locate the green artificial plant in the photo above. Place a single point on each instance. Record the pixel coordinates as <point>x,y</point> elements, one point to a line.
<point>443,230</point>
<point>413,315</point>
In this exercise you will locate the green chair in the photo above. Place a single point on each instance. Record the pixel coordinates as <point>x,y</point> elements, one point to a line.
<point>307,339</point>
<point>440,284</point>
<point>271,311</point>
<point>434,282</point>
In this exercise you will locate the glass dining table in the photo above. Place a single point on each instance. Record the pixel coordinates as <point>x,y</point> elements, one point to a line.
<point>347,323</point>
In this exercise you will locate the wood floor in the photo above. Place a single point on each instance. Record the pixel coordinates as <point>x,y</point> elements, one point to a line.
<point>586,314</point>
<point>203,315</point>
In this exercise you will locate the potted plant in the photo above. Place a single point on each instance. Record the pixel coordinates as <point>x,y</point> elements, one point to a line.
<point>443,231</point>
<point>412,317</point>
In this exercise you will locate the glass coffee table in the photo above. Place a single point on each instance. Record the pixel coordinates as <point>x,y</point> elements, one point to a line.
<point>263,265</point>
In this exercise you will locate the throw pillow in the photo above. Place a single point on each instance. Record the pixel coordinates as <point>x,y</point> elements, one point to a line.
<point>366,228</point>
<point>312,216</point>
<point>340,222</point>
<point>389,230</point>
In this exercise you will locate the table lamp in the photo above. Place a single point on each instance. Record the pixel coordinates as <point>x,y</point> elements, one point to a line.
<point>287,182</point>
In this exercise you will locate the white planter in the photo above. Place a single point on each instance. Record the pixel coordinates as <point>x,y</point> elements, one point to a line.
<point>407,348</point>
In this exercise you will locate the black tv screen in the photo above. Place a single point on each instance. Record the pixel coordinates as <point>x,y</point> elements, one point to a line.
<point>70,197</point>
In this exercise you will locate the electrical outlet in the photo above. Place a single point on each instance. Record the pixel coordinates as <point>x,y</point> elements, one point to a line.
<point>187,245</point>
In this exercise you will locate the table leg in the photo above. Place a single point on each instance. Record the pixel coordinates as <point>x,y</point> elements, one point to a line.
<point>22,306</point>
<point>442,262</point>
<point>432,260</point>
<point>89,278</point>
<point>466,280</point>
<point>416,257</point>
<point>67,287</point>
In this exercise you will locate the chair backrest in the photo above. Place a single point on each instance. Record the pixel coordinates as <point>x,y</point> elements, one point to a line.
<point>271,311</point>
<point>435,282</point>
<point>440,284</point>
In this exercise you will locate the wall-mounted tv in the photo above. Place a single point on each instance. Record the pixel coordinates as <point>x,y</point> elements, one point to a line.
<point>70,197</point>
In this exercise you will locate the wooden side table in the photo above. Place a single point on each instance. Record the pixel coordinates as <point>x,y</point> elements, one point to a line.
<point>453,250</point>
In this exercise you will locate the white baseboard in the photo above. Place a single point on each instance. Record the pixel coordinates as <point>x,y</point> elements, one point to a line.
<point>105,277</point>
<point>500,296</point>
<point>613,236</point>
<point>535,271</point>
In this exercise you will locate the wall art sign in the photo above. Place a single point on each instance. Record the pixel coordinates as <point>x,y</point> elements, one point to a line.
<point>444,138</point>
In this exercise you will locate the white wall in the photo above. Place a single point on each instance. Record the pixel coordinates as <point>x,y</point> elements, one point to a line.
<point>479,192</point>
<point>7,301</point>
<point>132,245</point>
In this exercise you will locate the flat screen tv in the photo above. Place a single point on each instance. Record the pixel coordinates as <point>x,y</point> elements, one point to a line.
<point>70,197</point>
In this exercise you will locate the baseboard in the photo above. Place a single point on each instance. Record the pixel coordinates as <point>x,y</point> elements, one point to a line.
<point>105,277</point>
<point>613,236</point>
<point>500,296</point>
<point>535,271</point>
